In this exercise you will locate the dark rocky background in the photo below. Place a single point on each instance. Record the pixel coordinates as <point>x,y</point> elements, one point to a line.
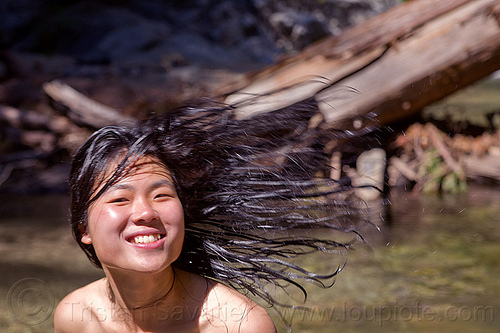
<point>141,57</point>
<point>161,41</point>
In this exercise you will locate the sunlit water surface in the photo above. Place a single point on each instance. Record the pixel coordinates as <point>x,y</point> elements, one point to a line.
<point>433,267</point>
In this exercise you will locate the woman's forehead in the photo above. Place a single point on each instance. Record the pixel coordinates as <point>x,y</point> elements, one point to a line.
<point>142,166</point>
<point>147,166</point>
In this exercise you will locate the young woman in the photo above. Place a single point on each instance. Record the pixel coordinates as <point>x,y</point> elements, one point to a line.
<point>181,212</point>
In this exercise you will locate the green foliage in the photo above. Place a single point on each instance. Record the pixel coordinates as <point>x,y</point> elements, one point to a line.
<point>437,175</point>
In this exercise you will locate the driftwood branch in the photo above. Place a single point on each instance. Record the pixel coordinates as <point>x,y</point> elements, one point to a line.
<point>83,109</point>
<point>437,141</point>
<point>7,169</point>
<point>428,154</point>
<point>32,120</point>
<point>40,131</point>
<point>404,169</point>
<point>48,133</point>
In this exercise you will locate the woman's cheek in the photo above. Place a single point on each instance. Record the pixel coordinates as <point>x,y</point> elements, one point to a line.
<point>102,219</point>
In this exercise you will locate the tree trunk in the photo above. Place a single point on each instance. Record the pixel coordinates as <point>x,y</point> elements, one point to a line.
<point>390,66</point>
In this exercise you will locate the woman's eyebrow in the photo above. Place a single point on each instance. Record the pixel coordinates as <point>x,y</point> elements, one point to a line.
<point>154,186</point>
<point>120,186</point>
<point>162,183</point>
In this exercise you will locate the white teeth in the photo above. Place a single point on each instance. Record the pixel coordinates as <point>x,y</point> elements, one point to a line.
<point>146,239</point>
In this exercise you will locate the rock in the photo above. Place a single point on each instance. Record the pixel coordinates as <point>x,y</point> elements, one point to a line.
<point>295,24</point>
<point>131,40</point>
<point>300,29</point>
<point>79,27</point>
<point>370,172</point>
<point>15,16</point>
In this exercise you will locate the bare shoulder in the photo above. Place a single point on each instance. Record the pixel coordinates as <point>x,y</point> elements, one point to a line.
<point>238,312</point>
<point>75,311</point>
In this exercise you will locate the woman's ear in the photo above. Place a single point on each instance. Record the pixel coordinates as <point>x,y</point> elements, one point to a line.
<point>86,239</point>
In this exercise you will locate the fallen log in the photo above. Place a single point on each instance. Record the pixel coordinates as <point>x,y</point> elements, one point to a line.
<point>390,66</point>
<point>487,166</point>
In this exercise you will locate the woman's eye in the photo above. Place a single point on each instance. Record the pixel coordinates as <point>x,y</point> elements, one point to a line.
<point>119,200</point>
<point>162,195</point>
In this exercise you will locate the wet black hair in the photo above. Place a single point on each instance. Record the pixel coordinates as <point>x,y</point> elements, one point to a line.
<point>251,190</point>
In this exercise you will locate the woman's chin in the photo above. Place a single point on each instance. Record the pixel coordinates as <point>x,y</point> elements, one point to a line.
<point>140,267</point>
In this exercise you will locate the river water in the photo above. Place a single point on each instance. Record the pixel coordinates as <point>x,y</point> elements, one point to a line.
<point>434,266</point>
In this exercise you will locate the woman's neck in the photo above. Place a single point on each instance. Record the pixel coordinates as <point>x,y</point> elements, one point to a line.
<point>150,302</point>
<point>133,290</point>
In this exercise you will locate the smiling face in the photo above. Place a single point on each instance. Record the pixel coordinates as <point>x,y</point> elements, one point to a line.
<point>138,223</point>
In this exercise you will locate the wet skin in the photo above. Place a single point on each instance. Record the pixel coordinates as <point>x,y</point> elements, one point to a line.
<point>142,204</point>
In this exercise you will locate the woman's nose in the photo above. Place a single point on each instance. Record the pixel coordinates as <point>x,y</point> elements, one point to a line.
<point>143,211</point>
